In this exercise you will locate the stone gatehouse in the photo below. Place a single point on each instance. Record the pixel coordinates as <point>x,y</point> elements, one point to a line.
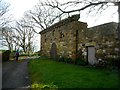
<point>70,37</point>
<point>62,38</point>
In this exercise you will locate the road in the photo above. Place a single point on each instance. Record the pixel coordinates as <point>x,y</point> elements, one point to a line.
<point>15,75</point>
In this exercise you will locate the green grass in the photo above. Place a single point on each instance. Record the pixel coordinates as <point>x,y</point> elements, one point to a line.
<point>48,73</point>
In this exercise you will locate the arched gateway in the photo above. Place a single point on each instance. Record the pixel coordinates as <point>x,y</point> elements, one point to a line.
<point>53,51</point>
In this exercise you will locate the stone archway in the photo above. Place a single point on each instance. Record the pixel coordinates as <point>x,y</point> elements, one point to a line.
<point>53,51</point>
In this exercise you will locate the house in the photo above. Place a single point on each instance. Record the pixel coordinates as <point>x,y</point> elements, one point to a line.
<point>71,38</point>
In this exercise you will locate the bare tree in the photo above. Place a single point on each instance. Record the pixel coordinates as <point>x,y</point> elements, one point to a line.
<point>20,36</point>
<point>81,5</point>
<point>24,34</point>
<point>4,8</point>
<point>42,16</point>
<point>29,25</point>
<point>7,38</point>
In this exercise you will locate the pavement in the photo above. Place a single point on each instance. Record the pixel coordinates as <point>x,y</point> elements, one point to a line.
<point>15,75</point>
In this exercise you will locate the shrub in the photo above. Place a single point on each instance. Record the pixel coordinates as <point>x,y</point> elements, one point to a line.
<point>80,61</point>
<point>65,59</point>
<point>6,55</point>
<point>68,60</point>
<point>39,53</point>
<point>113,61</point>
<point>24,54</point>
<point>110,63</point>
<point>102,64</point>
<point>34,54</point>
<point>43,86</point>
<point>12,54</point>
<point>61,59</point>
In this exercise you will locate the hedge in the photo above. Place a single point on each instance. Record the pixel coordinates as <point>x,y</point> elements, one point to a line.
<point>6,55</point>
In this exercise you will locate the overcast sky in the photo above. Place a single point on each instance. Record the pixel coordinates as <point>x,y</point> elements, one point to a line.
<point>18,7</point>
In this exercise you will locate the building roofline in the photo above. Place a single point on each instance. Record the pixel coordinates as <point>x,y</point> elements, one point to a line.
<point>61,23</point>
<point>103,24</point>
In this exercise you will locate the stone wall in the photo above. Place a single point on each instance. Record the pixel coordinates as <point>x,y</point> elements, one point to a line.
<point>105,39</point>
<point>70,37</point>
<point>64,37</point>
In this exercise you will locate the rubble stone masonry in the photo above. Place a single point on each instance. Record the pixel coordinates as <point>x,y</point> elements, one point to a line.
<point>71,36</point>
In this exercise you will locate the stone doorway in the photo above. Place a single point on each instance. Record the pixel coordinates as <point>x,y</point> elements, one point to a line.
<point>53,51</point>
<point>91,55</point>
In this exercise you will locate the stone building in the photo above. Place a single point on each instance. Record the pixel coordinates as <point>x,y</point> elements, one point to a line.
<point>61,39</point>
<point>71,38</point>
<point>105,39</point>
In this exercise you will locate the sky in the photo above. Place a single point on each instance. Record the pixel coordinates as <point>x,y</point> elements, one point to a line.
<point>18,7</point>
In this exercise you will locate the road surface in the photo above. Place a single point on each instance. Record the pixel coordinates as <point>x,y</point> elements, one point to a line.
<point>15,75</point>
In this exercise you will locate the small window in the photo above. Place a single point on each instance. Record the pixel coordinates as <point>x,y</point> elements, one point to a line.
<point>53,32</point>
<point>45,40</point>
<point>61,35</point>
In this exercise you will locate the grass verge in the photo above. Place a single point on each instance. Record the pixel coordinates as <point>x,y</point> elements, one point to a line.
<point>45,73</point>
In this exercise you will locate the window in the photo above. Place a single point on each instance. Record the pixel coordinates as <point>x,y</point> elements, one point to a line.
<point>45,39</point>
<point>61,35</point>
<point>53,32</point>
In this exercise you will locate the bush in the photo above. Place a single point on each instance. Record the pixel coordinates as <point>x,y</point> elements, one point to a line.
<point>6,55</point>
<point>39,53</point>
<point>12,54</point>
<point>35,54</point>
<point>102,64</point>
<point>68,60</point>
<point>61,59</point>
<point>43,86</point>
<point>24,54</point>
<point>64,59</point>
<point>80,61</point>
<point>114,62</point>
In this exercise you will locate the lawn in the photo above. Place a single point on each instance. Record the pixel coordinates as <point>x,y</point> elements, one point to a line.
<point>48,73</point>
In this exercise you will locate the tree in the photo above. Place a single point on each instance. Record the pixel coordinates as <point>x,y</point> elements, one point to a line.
<point>24,35</point>
<point>4,21</point>
<point>4,8</point>
<point>80,5</point>
<point>20,36</point>
<point>42,17</point>
<point>29,25</point>
<point>7,38</point>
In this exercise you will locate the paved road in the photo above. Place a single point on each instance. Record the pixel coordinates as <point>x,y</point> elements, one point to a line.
<point>15,75</point>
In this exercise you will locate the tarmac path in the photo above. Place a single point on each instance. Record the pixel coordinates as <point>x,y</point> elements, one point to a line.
<point>15,75</point>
